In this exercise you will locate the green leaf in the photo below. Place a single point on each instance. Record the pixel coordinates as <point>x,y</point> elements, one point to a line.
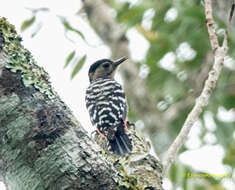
<point>131,16</point>
<point>27,23</point>
<point>37,29</point>
<point>78,66</point>
<point>68,26</point>
<point>229,158</point>
<point>69,58</point>
<point>173,173</point>
<point>224,133</point>
<point>42,9</point>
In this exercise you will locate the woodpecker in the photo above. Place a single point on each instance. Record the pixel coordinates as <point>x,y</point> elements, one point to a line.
<point>106,104</point>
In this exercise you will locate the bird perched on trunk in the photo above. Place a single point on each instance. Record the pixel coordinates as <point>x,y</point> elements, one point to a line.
<point>106,104</point>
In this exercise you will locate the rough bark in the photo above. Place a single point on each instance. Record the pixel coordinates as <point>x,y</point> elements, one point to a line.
<point>146,169</point>
<point>42,145</point>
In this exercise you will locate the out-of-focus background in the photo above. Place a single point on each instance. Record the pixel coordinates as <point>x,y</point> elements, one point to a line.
<point>168,43</point>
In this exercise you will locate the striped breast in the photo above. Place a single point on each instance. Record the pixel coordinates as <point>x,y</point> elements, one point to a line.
<point>106,103</point>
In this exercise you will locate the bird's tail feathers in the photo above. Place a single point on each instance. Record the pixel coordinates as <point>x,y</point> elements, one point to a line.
<point>121,144</point>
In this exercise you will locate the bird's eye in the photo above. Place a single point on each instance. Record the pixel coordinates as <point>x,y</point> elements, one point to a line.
<point>106,65</point>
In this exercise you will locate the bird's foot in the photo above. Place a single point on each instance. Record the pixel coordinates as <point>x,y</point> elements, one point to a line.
<point>128,125</point>
<point>100,132</point>
<point>125,124</point>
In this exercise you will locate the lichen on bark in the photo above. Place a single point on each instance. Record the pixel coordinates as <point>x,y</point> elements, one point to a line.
<point>20,59</point>
<point>42,146</point>
<point>139,170</point>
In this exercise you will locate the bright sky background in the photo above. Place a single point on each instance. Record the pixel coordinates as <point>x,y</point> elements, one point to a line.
<point>50,49</point>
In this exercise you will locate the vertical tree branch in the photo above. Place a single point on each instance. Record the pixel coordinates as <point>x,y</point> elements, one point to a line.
<point>202,100</point>
<point>210,26</point>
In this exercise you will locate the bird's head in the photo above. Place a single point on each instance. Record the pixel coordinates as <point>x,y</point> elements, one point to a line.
<point>104,68</point>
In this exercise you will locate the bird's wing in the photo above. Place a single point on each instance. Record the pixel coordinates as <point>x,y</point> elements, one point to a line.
<point>118,98</point>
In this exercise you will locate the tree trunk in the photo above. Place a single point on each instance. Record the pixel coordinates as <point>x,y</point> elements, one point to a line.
<point>42,145</point>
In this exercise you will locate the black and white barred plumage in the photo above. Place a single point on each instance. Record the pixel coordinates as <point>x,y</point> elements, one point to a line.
<point>106,104</point>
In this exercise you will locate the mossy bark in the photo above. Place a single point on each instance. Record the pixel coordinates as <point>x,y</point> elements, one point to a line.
<point>42,146</point>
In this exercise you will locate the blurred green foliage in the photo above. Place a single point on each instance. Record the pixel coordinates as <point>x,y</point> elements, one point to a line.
<point>177,27</point>
<point>188,27</point>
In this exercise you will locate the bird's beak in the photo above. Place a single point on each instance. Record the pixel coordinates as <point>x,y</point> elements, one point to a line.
<point>119,61</point>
